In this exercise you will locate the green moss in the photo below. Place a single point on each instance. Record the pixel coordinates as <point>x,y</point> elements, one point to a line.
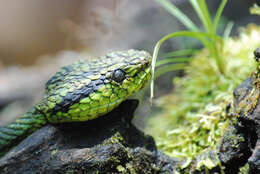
<point>195,115</point>
<point>53,152</point>
<point>121,169</point>
<point>117,138</point>
<point>131,168</point>
<point>244,169</point>
<point>255,10</point>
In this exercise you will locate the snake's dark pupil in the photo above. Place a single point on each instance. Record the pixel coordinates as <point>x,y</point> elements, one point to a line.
<point>118,75</point>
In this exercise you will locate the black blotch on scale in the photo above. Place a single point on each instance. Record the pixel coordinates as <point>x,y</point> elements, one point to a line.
<point>54,80</point>
<point>75,96</point>
<point>59,76</point>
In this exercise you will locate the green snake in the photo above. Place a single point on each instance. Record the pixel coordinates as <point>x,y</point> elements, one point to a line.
<point>82,91</point>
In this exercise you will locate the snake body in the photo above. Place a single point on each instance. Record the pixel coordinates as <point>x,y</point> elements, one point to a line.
<point>82,91</point>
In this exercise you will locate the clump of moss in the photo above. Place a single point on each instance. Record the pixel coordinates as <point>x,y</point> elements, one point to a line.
<point>244,169</point>
<point>195,115</point>
<point>255,10</point>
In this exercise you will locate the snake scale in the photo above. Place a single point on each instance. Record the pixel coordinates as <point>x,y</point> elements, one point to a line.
<point>82,91</point>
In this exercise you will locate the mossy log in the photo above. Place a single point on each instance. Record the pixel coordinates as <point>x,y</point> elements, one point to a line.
<point>111,144</point>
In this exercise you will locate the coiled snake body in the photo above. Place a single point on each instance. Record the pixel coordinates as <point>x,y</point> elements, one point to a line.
<point>82,91</point>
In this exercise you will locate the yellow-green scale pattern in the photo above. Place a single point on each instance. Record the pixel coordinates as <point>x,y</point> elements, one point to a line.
<point>83,91</point>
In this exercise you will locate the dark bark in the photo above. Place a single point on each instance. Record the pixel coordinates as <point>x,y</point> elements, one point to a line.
<point>239,144</point>
<point>110,144</point>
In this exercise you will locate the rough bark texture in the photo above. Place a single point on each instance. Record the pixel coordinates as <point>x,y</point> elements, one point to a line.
<point>110,144</point>
<point>241,142</point>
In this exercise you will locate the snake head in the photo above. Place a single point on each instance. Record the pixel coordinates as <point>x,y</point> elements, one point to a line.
<point>131,71</point>
<point>86,90</point>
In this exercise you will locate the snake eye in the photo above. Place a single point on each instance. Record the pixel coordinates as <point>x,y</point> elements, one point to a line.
<point>118,75</point>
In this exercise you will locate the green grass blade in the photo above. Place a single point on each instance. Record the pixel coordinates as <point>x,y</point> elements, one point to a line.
<point>173,60</point>
<point>218,15</point>
<point>172,9</point>
<point>206,15</point>
<point>228,30</point>
<point>179,53</point>
<point>198,10</point>
<point>169,68</point>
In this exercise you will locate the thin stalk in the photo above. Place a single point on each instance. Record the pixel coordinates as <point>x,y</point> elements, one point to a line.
<point>199,12</point>
<point>206,16</point>
<point>228,30</point>
<point>184,52</point>
<point>218,14</point>
<point>169,68</point>
<point>172,9</point>
<point>173,60</point>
